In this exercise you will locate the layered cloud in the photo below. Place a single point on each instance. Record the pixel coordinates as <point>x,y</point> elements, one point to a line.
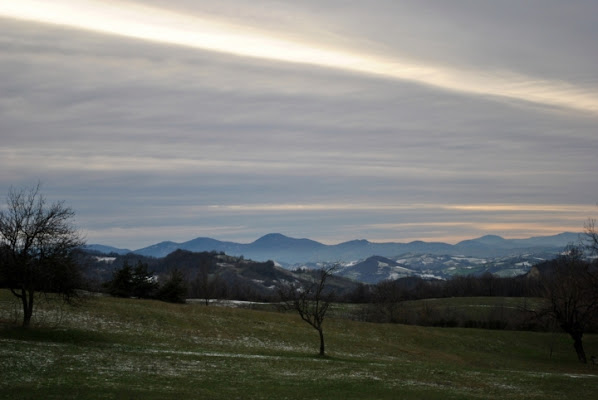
<point>160,25</point>
<point>331,119</point>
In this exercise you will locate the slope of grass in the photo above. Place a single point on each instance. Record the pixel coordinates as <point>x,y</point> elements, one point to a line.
<point>140,349</point>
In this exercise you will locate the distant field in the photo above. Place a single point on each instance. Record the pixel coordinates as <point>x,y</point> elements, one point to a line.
<point>482,312</point>
<point>141,349</point>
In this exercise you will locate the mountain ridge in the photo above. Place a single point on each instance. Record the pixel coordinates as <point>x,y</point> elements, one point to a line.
<point>288,250</point>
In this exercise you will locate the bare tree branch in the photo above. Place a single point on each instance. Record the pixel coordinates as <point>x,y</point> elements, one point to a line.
<point>591,236</point>
<point>36,245</point>
<point>311,301</point>
<point>568,284</point>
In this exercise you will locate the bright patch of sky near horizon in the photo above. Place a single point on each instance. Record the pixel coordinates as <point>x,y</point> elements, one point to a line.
<point>332,120</point>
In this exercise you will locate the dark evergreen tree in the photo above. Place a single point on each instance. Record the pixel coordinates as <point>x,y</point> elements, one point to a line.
<point>174,289</point>
<point>144,283</point>
<point>132,282</point>
<point>121,284</point>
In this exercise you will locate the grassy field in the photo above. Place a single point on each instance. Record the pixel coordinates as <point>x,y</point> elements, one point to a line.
<point>139,349</point>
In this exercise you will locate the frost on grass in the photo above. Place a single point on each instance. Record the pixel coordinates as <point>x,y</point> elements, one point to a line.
<point>48,310</point>
<point>25,362</point>
<point>247,343</point>
<point>36,363</point>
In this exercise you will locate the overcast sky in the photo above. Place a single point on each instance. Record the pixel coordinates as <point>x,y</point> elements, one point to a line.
<point>334,120</point>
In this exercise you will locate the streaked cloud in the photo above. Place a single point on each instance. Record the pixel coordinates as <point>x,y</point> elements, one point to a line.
<point>207,33</point>
<point>373,206</point>
<point>555,208</point>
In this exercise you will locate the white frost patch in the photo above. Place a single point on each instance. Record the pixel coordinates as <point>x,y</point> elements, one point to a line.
<point>470,259</point>
<point>524,264</point>
<point>226,303</point>
<point>213,354</point>
<point>580,376</point>
<point>431,276</point>
<point>548,374</point>
<point>107,260</point>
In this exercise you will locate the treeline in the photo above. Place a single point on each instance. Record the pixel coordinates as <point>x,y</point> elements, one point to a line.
<point>139,282</point>
<point>182,275</point>
<point>416,288</point>
<point>219,276</point>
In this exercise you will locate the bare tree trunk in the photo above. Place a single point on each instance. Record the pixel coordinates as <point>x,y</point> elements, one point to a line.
<point>27,299</point>
<point>321,342</point>
<point>577,343</point>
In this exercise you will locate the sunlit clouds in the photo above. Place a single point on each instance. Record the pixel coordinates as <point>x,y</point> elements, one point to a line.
<point>207,33</point>
<point>524,208</point>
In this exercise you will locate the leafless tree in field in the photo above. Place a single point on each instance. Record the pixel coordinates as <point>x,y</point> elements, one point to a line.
<point>37,241</point>
<point>570,286</point>
<point>205,285</point>
<point>311,301</point>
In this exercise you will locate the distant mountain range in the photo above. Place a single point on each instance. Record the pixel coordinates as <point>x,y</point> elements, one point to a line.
<point>291,251</point>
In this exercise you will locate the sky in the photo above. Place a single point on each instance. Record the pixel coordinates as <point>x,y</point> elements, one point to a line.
<point>333,120</point>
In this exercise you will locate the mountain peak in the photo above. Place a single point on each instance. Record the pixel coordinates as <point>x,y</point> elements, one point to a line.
<point>275,242</point>
<point>355,242</point>
<point>491,239</point>
<point>273,238</point>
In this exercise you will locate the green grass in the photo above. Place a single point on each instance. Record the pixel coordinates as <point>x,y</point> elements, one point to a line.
<point>139,349</point>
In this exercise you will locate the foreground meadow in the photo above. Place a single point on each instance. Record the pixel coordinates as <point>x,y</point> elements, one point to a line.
<point>142,349</point>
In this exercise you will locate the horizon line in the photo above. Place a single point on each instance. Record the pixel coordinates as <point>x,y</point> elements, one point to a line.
<point>392,241</point>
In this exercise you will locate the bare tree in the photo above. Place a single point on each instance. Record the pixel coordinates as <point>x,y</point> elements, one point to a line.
<point>591,236</point>
<point>311,301</point>
<point>387,299</point>
<point>37,242</point>
<point>205,285</point>
<point>570,286</point>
